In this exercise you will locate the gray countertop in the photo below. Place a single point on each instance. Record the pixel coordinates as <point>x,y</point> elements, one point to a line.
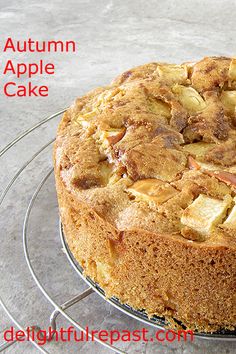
<point>112,36</point>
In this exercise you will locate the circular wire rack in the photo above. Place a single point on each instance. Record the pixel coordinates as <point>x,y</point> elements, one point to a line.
<point>155,322</point>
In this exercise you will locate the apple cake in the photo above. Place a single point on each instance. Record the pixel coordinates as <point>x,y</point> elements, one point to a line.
<point>146,181</point>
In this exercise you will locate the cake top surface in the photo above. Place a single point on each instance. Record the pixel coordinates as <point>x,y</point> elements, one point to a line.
<point>156,150</point>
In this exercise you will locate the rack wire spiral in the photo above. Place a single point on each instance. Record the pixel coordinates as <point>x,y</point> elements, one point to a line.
<point>156,322</point>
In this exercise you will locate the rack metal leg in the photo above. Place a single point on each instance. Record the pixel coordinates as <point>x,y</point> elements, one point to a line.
<point>54,316</point>
<point>68,304</point>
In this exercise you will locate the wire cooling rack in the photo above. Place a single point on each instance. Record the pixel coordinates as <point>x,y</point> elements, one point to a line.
<point>28,239</point>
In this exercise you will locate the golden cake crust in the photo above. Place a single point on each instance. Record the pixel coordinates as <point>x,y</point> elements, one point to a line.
<point>146,176</point>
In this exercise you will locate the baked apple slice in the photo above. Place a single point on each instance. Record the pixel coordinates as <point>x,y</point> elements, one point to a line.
<point>198,149</point>
<point>193,164</point>
<point>110,173</point>
<point>205,213</point>
<point>224,176</point>
<point>103,271</point>
<point>106,138</point>
<point>159,107</point>
<point>189,98</point>
<point>232,69</point>
<point>230,222</point>
<point>112,136</point>
<point>152,189</point>
<point>228,98</point>
<point>173,73</point>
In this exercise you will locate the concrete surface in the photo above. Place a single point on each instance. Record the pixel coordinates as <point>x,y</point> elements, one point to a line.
<point>112,36</point>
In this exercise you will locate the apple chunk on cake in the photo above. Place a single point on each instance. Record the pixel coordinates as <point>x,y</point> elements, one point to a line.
<point>152,189</point>
<point>230,222</point>
<point>205,213</point>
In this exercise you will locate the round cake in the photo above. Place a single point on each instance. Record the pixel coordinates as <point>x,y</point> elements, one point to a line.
<point>146,180</point>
